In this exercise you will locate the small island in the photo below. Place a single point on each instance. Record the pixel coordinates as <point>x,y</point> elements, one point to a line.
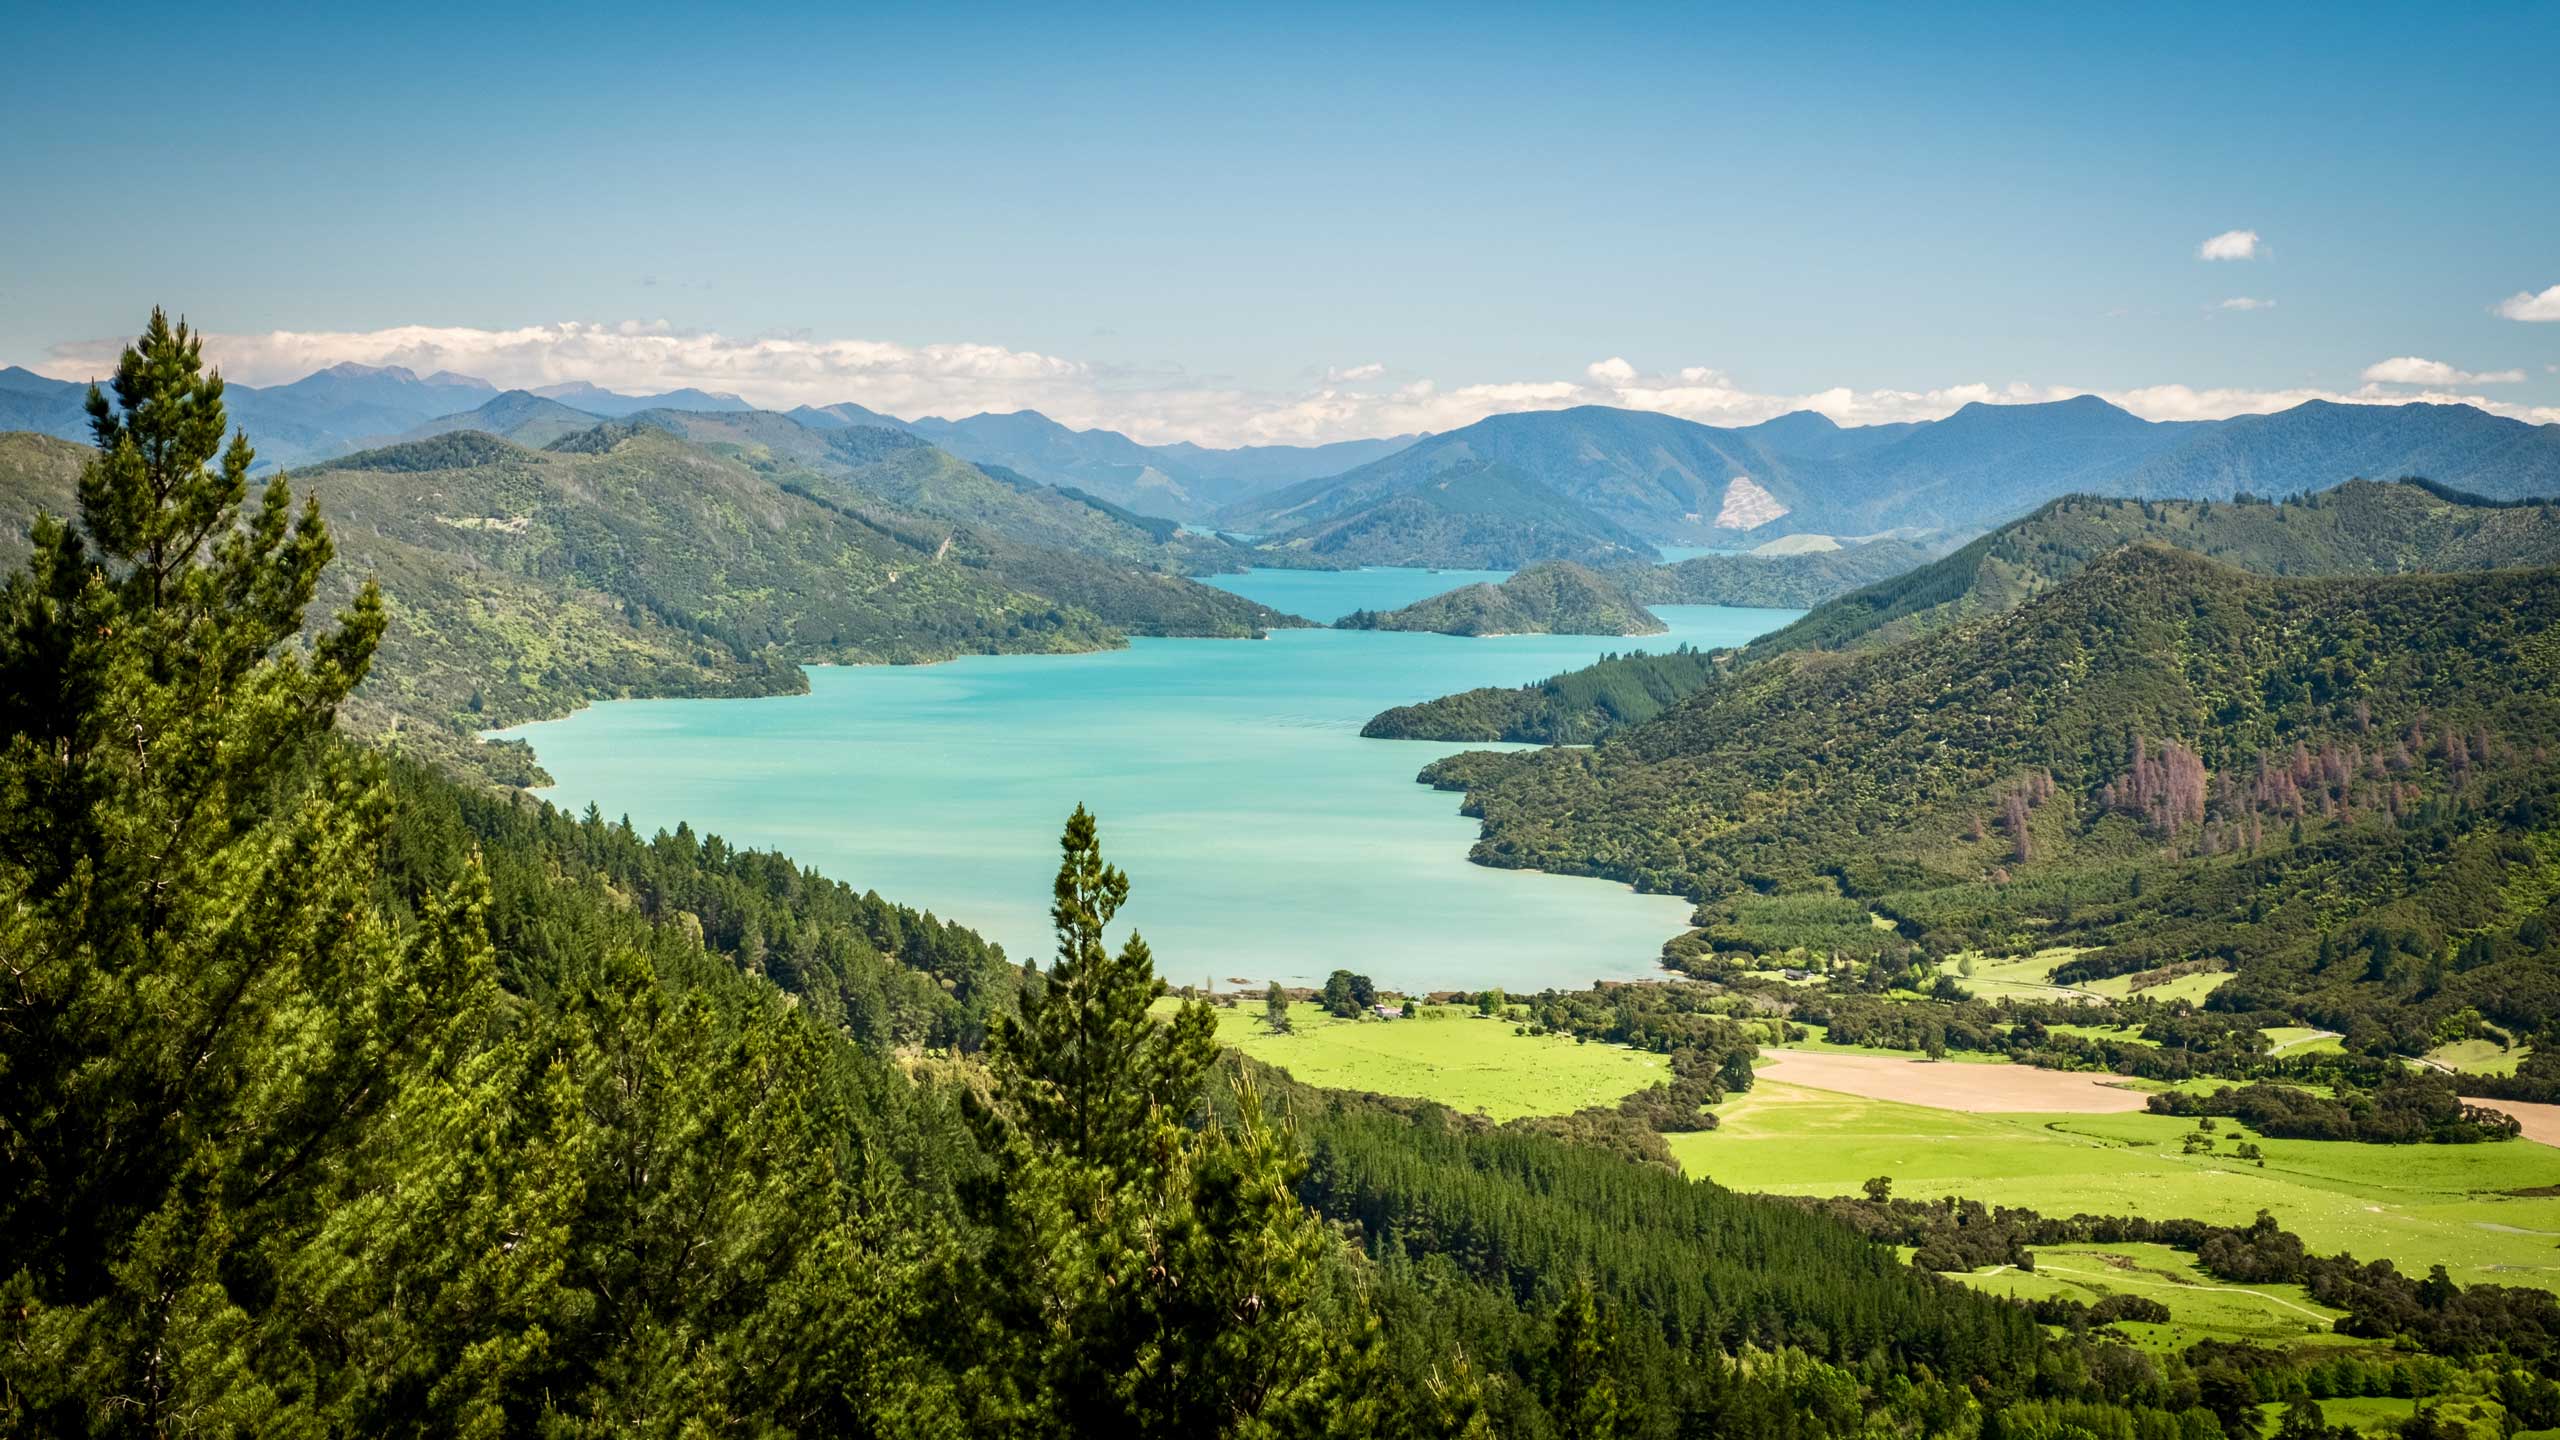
<point>1554,598</point>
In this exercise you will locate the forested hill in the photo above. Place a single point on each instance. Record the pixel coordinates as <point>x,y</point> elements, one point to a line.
<point>2362,527</point>
<point>2160,757</point>
<point>892,467</point>
<point>1793,581</point>
<point>624,561</point>
<point>1472,515</point>
<point>1560,597</point>
<point>2359,528</point>
<point>1557,597</point>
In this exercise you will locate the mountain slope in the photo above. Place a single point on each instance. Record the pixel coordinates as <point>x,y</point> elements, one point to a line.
<point>613,405</point>
<point>1666,478</point>
<point>1189,482</point>
<point>2360,528</point>
<point>876,466</point>
<point>527,419</point>
<point>2319,443</point>
<point>1555,597</point>
<point>1782,582</point>
<point>2284,761</point>
<point>1654,473</point>
<point>624,560</point>
<point>328,412</point>
<point>1474,514</point>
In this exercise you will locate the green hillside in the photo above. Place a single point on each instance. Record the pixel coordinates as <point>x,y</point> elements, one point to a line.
<point>624,561</point>
<point>2161,759</point>
<point>1775,582</point>
<point>1574,708</point>
<point>1552,598</point>
<point>2359,528</point>
<point>1472,515</point>
<point>880,465</point>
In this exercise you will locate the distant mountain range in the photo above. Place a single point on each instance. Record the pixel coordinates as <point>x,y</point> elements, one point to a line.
<point>349,407</point>
<point>1668,479</point>
<point>1589,484</point>
<point>1188,482</point>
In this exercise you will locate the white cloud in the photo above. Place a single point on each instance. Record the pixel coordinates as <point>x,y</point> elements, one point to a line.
<point>2525,305</point>
<point>2243,302</point>
<point>963,378</point>
<point>644,356</point>
<point>2231,245</point>
<point>2410,370</point>
<point>2181,402</point>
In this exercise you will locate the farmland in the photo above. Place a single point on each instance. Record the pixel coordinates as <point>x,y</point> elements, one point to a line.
<point>1451,1055</point>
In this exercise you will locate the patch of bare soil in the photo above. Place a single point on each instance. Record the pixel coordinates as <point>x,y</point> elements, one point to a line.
<point>2541,1122</point>
<point>1947,1085</point>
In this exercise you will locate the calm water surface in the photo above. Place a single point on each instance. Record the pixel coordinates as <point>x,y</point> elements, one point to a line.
<point>1263,838</point>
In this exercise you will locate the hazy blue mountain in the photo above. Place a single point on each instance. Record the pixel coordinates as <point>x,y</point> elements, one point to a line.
<point>518,415</point>
<point>329,412</point>
<point>1816,436</point>
<point>1667,479</point>
<point>1986,463</point>
<point>1656,474</point>
<point>42,405</point>
<point>1474,514</point>
<point>2318,444</point>
<point>613,405</point>
<point>842,414</point>
<point>1186,481</point>
<point>340,395</point>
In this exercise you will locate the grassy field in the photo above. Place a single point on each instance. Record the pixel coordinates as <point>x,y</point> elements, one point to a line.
<point>2302,1040</point>
<point>2414,1204</point>
<point>2128,1035</point>
<point>1453,1056</point>
<point>2201,1307</point>
<point>2185,987</point>
<point>2375,1414</point>
<point>2029,977</point>
<point>2479,1057</point>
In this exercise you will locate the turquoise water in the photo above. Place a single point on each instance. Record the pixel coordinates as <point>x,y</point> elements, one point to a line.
<point>1325,596</point>
<point>1263,838</point>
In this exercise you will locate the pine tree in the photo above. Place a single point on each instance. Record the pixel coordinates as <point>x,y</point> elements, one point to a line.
<point>1151,1270</point>
<point>1275,1009</point>
<point>209,1005</point>
<point>1581,1394</point>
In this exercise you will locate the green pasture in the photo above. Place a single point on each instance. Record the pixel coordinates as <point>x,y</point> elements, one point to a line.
<point>2191,988</point>
<point>2200,1306</point>
<point>2479,1057</point>
<point>2413,1204</point>
<point>2027,977</point>
<point>1451,1055</point>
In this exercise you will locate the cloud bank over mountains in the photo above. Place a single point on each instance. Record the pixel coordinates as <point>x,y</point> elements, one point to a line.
<point>1369,398</point>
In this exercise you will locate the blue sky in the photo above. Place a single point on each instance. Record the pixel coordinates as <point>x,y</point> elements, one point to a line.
<point>1219,223</point>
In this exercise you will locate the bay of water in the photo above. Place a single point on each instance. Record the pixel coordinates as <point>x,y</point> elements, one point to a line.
<point>1262,837</point>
